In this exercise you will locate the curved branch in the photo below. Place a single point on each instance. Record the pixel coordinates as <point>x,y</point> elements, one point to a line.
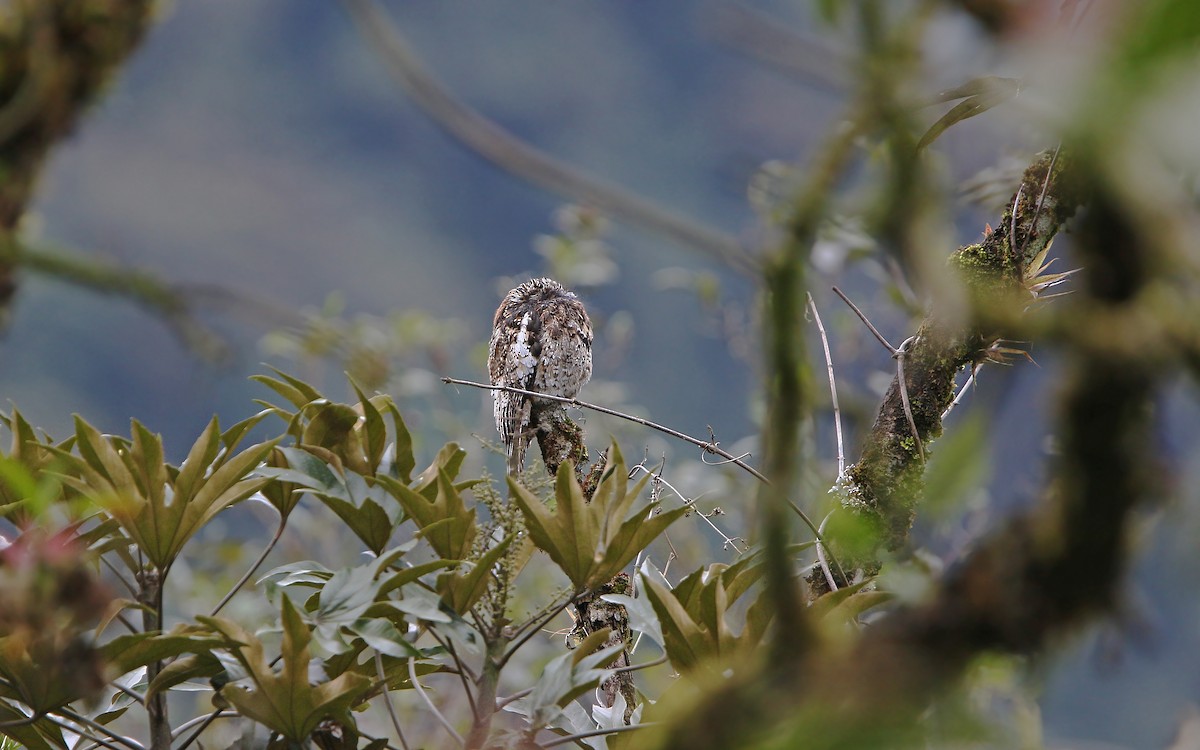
<point>519,158</point>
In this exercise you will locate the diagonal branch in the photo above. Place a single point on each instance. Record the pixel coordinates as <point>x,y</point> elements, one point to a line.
<point>519,158</point>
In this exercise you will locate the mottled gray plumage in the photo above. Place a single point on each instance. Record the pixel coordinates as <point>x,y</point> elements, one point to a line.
<point>542,342</point>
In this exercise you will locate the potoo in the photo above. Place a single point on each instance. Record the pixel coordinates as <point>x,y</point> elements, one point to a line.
<point>541,342</point>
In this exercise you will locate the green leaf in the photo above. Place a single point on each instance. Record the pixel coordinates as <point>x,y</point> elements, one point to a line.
<point>571,675</point>
<point>347,495</point>
<point>981,95</point>
<point>444,519</point>
<point>185,668</point>
<point>830,603</point>
<point>461,590</point>
<point>642,618</point>
<point>403,461</point>
<point>159,509</point>
<point>592,542</point>
<point>40,735</point>
<point>297,392</point>
<point>381,635</point>
<point>686,645</point>
<point>285,702</point>
<point>128,652</point>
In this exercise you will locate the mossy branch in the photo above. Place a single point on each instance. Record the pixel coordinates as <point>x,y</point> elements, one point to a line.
<point>883,487</point>
<point>56,56</point>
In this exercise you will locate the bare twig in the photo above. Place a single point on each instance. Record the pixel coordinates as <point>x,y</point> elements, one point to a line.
<point>532,628</point>
<point>898,354</point>
<point>387,697</point>
<point>1012,224</point>
<point>412,674</point>
<point>708,446</point>
<point>837,412</point>
<point>97,727</point>
<point>804,57</point>
<point>203,721</point>
<point>657,477</point>
<point>167,301</point>
<point>865,320</point>
<point>970,382</point>
<point>89,737</point>
<point>519,158</point>
<point>261,559</point>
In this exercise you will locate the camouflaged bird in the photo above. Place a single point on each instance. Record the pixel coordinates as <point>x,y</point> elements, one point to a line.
<point>541,342</point>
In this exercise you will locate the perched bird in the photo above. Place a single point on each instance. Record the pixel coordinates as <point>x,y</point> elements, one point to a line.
<point>542,342</point>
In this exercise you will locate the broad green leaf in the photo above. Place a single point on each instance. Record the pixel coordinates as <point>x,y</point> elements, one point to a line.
<point>592,542</point>
<point>571,675</point>
<point>641,615</point>
<point>381,635</point>
<point>827,603</point>
<point>297,392</point>
<point>285,702</point>
<point>686,644</point>
<point>185,668</point>
<point>40,735</point>
<point>346,494</point>
<point>128,652</point>
<point>158,509</point>
<point>461,590</point>
<point>445,521</point>
<point>403,461</point>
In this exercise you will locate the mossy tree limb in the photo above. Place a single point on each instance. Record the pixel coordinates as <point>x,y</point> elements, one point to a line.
<point>883,487</point>
<point>56,56</point>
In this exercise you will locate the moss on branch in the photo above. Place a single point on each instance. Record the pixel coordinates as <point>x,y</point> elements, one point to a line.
<point>884,486</point>
<point>56,56</point>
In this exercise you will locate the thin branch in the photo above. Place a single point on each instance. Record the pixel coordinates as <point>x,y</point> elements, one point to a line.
<point>167,301</point>
<point>837,412</point>
<point>970,382</point>
<point>203,721</point>
<point>864,319</point>
<point>412,674</point>
<point>464,670</point>
<point>387,698</point>
<point>521,159</point>
<point>657,477</point>
<point>531,629</point>
<point>131,693</point>
<point>76,730</point>
<point>1012,223</point>
<point>709,446</point>
<point>253,568</point>
<point>598,733</point>
<point>804,57</point>
<point>22,722</point>
<point>116,573</point>
<point>96,727</point>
